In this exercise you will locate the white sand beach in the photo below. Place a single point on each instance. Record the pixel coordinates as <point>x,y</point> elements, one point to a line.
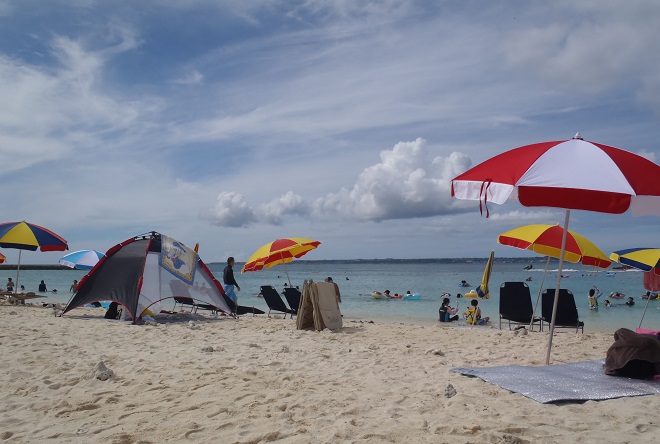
<point>264,381</point>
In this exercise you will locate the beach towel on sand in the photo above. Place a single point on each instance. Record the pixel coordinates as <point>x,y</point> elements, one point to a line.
<point>633,355</point>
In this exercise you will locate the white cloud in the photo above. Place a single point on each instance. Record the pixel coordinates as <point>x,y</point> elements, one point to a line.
<point>524,217</point>
<point>588,47</point>
<point>407,183</point>
<point>51,112</point>
<point>193,77</point>
<point>230,210</point>
<point>287,204</point>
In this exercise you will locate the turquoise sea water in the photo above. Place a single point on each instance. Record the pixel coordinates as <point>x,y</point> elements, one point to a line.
<point>427,278</point>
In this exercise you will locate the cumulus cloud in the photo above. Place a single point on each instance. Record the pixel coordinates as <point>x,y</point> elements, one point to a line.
<point>289,203</point>
<point>407,183</point>
<point>231,210</point>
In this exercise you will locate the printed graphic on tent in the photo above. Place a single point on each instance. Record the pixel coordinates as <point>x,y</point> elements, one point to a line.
<point>131,275</point>
<point>178,259</point>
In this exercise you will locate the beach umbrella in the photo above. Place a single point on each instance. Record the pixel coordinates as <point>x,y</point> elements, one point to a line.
<point>569,174</point>
<point>26,236</point>
<point>646,259</point>
<point>482,289</point>
<point>2,258</point>
<point>280,251</point>
<point>82,259</point>
<point>546,239</point>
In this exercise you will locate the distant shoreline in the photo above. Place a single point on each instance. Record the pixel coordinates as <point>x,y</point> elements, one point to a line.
<point>35,267</point>
<point>462,260</point>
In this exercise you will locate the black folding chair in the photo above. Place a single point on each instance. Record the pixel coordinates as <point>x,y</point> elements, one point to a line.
<point>274,301</point>
<point>567,314</point>
<point>292,296</point>
<point>516,305</point>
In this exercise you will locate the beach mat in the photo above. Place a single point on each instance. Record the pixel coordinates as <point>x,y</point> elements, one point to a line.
<point>581,381</point>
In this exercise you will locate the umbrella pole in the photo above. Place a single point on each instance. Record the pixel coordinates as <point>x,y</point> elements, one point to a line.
<point>644,314</point>
<point>531,322</point>
<point>556,301</point>
<point>285,270</point>
<point>18,270</point>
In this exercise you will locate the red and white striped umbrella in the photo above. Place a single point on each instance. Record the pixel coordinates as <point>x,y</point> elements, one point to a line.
<point>570,174</point>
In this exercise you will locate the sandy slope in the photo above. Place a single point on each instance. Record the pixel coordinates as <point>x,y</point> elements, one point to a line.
<point>267,382</point>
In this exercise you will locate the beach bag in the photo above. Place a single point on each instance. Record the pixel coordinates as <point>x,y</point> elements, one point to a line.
<point>633,355</point>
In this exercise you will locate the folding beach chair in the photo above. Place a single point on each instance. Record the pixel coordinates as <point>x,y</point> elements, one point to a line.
<point>567,314</point>
<point>274,301</point>
<point>181,301</point>
<point>516,305</point>
<point>292,296</point>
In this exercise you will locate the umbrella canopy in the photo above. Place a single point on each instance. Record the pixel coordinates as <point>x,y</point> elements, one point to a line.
<point>280,251</point>
<point>482,289</point>
<point>26,236</point>
<point>2,258</point>
<point>546,240</point>
<point>568,174</point>
<point>647,259</point>
<point>82,260</point>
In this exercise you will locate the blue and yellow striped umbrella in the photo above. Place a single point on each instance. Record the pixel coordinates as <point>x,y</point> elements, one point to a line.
<point>646,259</point>
<point>26,236</point>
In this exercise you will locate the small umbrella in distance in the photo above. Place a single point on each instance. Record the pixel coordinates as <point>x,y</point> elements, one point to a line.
<point>82,259</point>
<point>26,236</point>
<point>646,259</point>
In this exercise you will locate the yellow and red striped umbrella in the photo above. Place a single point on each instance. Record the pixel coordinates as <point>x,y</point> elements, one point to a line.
<point>2,258</point>
<point>280,251</point>
<point>546,240</point>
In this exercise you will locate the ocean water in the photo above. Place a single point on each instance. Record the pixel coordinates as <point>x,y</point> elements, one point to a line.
<point>357,279</point>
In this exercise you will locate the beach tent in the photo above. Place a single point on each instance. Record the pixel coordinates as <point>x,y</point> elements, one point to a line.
<point>145,270</point>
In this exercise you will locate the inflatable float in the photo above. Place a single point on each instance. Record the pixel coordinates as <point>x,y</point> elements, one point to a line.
<point>378,295</point>
<point>412,297</point>
<point>472,294</point>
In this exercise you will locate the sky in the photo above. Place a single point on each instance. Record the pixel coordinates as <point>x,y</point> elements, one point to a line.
<point>233,123</point>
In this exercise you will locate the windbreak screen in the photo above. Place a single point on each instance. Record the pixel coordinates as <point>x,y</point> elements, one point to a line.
<point>160,287</point>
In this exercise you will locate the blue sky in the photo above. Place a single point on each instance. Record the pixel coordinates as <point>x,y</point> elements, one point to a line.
<point>232,123</point>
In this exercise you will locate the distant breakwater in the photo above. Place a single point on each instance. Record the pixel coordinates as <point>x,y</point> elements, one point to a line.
<point>34,267</point>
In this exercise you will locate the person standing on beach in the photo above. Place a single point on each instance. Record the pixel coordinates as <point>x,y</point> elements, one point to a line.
<point>74,286</point>
<point>229,280</point>
<point>337,293</point>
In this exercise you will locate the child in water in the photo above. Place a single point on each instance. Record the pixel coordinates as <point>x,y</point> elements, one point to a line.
<point>473,314</point>
<point>593,298</point>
